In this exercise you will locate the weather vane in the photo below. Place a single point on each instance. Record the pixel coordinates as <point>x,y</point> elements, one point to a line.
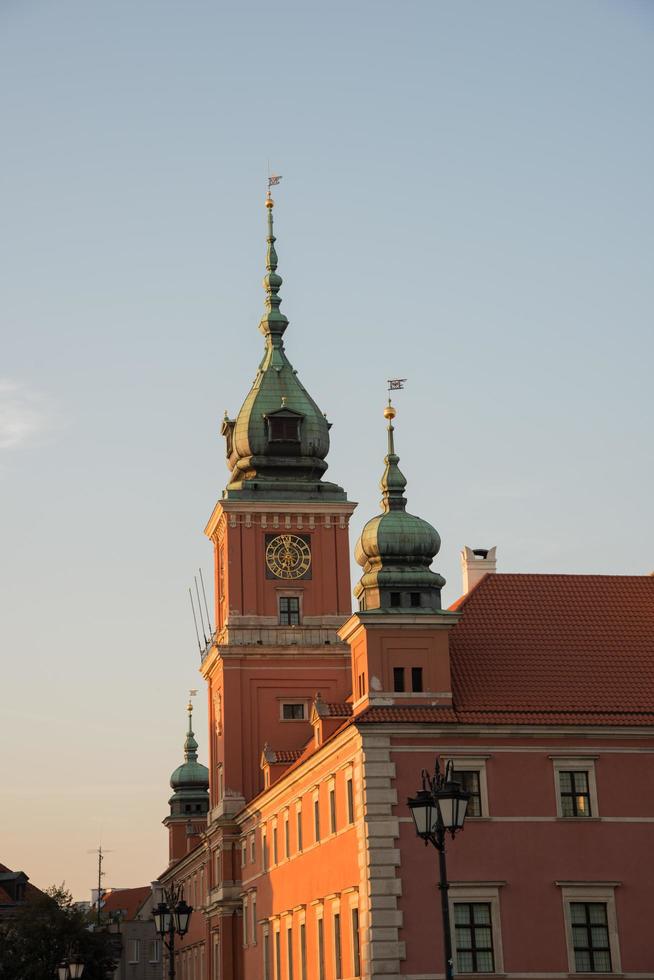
<point>396,384</point>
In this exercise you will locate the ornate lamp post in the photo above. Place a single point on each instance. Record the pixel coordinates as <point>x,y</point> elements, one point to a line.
<point>437,809</point>
<point>71,969</point>
<point>172,917</point>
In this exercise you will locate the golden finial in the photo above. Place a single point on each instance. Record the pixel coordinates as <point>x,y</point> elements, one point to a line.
<point>389,411</point>
<point>394,384</point>
<point>273,179</point>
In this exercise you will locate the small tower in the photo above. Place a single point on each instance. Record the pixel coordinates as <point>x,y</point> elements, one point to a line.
<point>190,800</point>
<point>399,637</point>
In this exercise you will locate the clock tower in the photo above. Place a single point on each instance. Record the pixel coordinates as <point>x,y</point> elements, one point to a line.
<point>282,573</point>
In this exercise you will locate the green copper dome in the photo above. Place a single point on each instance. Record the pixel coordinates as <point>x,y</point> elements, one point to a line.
<point>396,549</point>
<point>190,781</point>
<point>278,443</point>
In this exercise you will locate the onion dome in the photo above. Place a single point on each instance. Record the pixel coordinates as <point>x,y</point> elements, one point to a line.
<point>396,549</point>
<point>278,442</point>
<point>190,781</point>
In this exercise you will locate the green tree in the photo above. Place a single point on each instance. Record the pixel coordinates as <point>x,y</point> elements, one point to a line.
<point>46,930</point>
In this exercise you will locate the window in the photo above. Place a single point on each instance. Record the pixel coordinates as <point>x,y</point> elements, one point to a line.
<point>253,904</point>
<point>245,921</point>
<point>303,951</point>
<point>289,952</point>
<point>316,820</point>
<point>349,793</point>
<point>332,810</point>
<point>338,965</point>
<point>591,927</point>
<point>243,854</point>
<point>216,860</point>
<point>289,610</point>
<point>264,849</point>
<point>396,599</point>
<point>362,684</point>
<point>253,848</point>
<point>398,678</point>
<point>275,854</point>
<point>265,954</point>
<point>278,957</point>
<point>473,937</point>
<point>134,950</point>
<point>287,838</point>
<point>469,781</point>
<point>574,793</point>
<point>415,599</point>
<point>294,711</point>
<point>298,817</point>
<point>416,679</point>
<point>283,428</point>
<point>576,789</point>
<point>356,948</point>
<point>321,950</point>
<point>154,951</point>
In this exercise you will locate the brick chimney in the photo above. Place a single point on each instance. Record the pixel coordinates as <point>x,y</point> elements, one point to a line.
<point>475,563</point>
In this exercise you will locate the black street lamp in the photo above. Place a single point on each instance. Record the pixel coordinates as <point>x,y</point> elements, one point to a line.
<point>71,969</point>
<point>172,917</point>
<point>440,808</point>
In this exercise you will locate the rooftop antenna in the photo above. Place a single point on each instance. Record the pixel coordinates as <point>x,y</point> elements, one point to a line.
<point>101,853</point>
<point>197,592</point>
<point>190,595</point>
<point>205,603</point>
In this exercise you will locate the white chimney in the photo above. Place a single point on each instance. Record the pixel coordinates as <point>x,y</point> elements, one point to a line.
<point>475,563</point>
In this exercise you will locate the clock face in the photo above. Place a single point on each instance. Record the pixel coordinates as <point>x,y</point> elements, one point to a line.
<point>288,556</point>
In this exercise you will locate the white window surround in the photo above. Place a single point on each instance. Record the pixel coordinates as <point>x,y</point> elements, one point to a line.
<point>599,891</point>
<point>480,891</point>
<point>305,711</point>
<point>474,764</point>
<point>576,764</point>
<point>245,921</point>
<point>135,950</point>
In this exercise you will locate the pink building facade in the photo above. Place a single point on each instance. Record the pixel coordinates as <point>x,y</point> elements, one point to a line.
<point>539,688</point>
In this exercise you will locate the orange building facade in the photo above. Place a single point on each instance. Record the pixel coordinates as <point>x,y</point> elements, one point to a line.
<point>302,862</point>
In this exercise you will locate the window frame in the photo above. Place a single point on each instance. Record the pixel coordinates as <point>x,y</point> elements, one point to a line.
<point>294,702</point>
<point>575,764</point>
<point>349,798</point>
<point>294,616</point>
<point>588,892</point>
<point>134,947</point>
<point>487,893</point>
<point>461,763</point>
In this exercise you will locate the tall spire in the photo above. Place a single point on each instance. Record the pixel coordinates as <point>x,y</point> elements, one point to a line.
<point>273,323</point>
<point>393,481</point>
<point>190,745</point>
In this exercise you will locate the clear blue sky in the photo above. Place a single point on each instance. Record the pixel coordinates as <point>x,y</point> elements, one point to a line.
<point>466,202</point>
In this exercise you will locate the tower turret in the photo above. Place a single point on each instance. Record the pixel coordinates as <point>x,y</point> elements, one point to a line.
<point>396,549</point>
<point>278,442</point>
<point>190,800</point>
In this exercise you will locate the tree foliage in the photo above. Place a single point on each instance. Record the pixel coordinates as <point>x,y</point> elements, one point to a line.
<point>45,931</point>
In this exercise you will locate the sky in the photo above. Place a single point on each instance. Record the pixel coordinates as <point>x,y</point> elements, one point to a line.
<point>466,203</point>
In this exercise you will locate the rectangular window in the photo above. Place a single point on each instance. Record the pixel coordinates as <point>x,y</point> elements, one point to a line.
<point>154,951</point>
<point>416,679</point>
<point>396,599</point>
<point>134,950</point>
<point>299,828</point>
<point>415,599</point>
<point>350,800</point>
<point>264,849</point>
<point>338,965</point>
<point>332,810</point>
<point>289,952</point>
<point>356,948</point>
<point>362,684</point>
<point>590,937</point>
<point>398,678</point>
<point>278,957</point>
<point>253,848</point>
<point>303,952</point>
<point>316,820</point>
<point>266,957</point>
<point>293,712</point>
<point>468,779</point>
<point>245,921</point>
<point>321,950</point>
<point>275,854</point>
<point>575,793</point>
<point>287,839</point>
<point>254,919</point>
<point>243,854</point>
<point>473,937</point>
<point>289,610</point>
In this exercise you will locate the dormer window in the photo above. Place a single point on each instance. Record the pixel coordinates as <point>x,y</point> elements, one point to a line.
<point>284,425</point>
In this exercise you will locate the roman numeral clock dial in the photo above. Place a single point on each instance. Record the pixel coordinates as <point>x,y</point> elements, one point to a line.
<point>288,556</point>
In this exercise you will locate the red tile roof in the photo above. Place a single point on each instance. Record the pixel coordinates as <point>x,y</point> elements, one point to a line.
<point>555,649</point>
<point>126,900</point>
<point>286,755</point>
<point>418,712</point>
